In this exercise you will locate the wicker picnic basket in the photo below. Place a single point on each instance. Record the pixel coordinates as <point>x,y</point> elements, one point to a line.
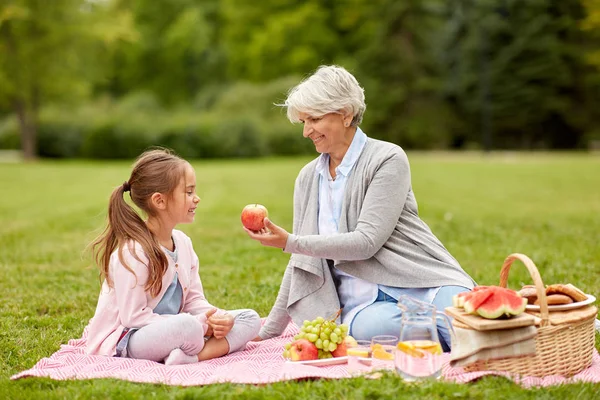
<point>564,341</point>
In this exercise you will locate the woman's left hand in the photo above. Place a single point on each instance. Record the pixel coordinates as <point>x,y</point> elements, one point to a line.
<point>271,235</point>
<point>221,324</point>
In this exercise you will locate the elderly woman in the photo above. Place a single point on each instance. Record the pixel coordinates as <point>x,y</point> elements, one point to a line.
<point>358,242</point>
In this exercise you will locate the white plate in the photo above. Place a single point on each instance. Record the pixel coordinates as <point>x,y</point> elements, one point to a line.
<point>563,307</point>
<point>322,362</point>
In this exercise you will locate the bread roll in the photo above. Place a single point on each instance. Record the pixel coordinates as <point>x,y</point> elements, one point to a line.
<point>556,299</point>
<point>528,292</point>
<point>569,290</point>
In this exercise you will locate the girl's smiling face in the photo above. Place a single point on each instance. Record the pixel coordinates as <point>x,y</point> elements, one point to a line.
<point>184,200</point>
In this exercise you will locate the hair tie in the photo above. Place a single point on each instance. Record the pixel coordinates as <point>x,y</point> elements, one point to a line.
<point>126,187</point>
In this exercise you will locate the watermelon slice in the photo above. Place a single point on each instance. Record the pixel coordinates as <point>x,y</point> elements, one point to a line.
<point>458,300</point>
<point>501,302</point>
<point>473,302</point>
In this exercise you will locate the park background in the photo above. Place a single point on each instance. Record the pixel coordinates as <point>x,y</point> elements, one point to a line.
<point>108,78</point>
<point>495,101</point>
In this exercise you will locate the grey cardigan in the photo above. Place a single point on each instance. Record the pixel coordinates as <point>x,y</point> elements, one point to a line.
<point>381,239</point>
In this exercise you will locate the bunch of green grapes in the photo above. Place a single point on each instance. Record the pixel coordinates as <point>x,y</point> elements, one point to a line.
<point>325,334</point>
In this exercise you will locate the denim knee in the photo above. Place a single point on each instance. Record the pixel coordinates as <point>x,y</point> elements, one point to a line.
<point>380,318</point>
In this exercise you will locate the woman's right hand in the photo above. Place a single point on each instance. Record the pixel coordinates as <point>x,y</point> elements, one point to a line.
<point>272,235</point>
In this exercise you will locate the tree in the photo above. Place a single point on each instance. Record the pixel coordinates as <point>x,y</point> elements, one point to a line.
<point>177,53</point>
<point>49,51</point>
<point>591,24</point>
<point>514,69</point>
<point>397,67</point>
<point>269,39</point>
<point>37,58</point>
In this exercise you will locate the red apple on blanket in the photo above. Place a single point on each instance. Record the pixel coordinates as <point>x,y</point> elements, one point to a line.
<point>342,349</point>
<point>303,350</point>
<point>253,216</point>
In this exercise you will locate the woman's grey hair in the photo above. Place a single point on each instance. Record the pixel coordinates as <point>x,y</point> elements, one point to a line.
<point>331,89</point>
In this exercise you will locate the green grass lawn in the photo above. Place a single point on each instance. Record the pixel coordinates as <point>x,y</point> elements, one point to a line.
<point>482,208</point>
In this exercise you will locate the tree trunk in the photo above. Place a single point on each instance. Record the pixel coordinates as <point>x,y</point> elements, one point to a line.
<point>26,115</point>
<point>28,127</point>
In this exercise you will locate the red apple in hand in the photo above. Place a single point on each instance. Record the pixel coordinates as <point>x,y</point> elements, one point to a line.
<point>253,216</point>
<point>303,350</point>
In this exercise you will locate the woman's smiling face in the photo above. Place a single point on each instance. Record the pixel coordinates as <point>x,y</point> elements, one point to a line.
<point>327,132</point>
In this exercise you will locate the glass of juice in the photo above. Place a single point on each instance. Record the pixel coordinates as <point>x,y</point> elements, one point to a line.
<point>359,357</point>
<point>383,349</point>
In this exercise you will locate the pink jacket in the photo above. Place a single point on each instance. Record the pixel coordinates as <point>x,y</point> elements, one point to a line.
<point>127,304</point>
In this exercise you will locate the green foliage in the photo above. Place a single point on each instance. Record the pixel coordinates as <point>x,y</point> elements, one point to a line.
<point>48,53</point>
<point>243,123</point>
<point>286,139</point>
<point>437,73</point>
<point>278,38</point>
<point>241,120</point>
<point>518,68</point>
<point>250,115</point>
<point>239,137</point>
<point>9,134</point>
<point>401,77</point>
<point>176,51</point>
<point>113,138</point>
<point>60,138</point>
<point>50,290</point>
<point>42,47</point>
<point>591,24</point>
<point>189,137</point>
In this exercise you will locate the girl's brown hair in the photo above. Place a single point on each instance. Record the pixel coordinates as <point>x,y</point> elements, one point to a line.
<point>155,171</point>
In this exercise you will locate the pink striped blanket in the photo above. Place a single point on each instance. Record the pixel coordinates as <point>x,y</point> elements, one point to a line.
<point>260,363</point>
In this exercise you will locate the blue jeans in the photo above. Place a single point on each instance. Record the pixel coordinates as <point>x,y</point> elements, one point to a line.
<point>383,317</point>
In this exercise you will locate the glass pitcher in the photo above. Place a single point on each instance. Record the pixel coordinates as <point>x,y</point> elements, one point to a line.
<point>419,351</point>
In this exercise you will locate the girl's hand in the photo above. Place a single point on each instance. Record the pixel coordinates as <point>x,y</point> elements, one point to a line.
<point>221,324</point>
<point>209,330</point>
<point>256,339</point>
<point>271,235</point>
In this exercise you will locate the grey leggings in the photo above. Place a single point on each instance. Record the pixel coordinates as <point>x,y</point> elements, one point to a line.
<point>156,341</point>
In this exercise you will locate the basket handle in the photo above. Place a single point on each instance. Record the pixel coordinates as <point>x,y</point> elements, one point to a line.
<point>537,280</point>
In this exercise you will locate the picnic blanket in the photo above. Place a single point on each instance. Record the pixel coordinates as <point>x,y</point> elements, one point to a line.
<point>261,363</point>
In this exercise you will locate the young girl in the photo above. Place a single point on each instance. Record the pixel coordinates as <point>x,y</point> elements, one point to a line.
<point>152,304</point>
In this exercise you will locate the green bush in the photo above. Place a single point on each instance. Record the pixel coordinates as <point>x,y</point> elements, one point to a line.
<point>118,138</point>
<point>138,102</point>
<point>238,121</point>
<point>238,137</point>
<point>285,138</point>
<point>10,137</point>
<point>59,139</point>
<point>59,134</point>
<point>189,136</point>
<point>183,143</point>
<point>257,100</point>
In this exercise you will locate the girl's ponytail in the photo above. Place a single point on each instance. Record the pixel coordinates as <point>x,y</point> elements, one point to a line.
<point>123,222</point>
